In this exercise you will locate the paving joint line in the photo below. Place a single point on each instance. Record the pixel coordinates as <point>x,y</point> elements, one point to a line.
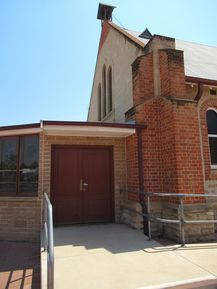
<point>192,262</point>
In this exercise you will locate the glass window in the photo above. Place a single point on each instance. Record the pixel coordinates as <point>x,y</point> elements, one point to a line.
<point>99,102</point>
<point>110,105</point>
<point>8,165</point>
<point>19,165</point>
<point>104,89</point>
<point>213,150</point>
<point>29,146</point>
<point>212,134</point>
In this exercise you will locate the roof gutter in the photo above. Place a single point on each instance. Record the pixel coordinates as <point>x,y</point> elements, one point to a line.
<point>200,84</point>
<point>199,91</point>
<point>201,80</point>
<point>141,179</point>
<point>97,124</point>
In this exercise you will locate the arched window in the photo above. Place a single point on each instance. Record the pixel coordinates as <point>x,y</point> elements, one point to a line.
<point>104,90</point>
<point>99,103</point>
<point>211,117</point>
<point>110,104</point>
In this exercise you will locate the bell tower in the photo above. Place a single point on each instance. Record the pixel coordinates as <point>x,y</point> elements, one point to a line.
<point>105,12</point>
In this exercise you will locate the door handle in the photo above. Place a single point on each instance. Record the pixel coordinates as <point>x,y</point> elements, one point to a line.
<point>83,185</point>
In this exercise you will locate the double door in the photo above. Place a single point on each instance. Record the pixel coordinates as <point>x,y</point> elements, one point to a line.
<point>81,185</point>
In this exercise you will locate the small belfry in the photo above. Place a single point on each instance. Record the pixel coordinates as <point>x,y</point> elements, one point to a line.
<point>105,12</point>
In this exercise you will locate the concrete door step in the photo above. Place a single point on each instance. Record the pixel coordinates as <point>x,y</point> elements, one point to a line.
<point>199,283</point>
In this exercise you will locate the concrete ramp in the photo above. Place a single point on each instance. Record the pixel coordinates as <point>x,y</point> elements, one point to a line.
<point>113,256</point>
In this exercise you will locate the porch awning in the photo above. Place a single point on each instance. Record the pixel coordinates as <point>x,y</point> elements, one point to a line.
<point>68,128</point>
<point>22,129</point>
<point>88,129</point>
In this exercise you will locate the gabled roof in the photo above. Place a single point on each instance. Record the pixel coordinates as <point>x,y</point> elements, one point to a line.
<point>132,35</point>
<point>200,60</point>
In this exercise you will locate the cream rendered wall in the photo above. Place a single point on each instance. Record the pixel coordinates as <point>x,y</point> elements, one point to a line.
<point>120,53</point>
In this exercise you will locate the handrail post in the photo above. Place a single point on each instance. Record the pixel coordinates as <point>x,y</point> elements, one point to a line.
<point>182,221</point>
<point>50,260</point>
<point>49,242</point>
<point>45,225</point>
<point>149,211</point>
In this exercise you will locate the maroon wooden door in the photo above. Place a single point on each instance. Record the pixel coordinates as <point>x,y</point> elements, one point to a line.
<point>81,185</point>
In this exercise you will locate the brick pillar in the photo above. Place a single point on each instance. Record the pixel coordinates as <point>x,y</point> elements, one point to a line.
<point>181,150</point>
<point>142,73</point>
<point>184,132</point>
<point>172,73</point>
<point>187,149</point>
<point>171,144</point>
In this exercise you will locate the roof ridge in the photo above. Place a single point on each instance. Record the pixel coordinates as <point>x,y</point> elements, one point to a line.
<point>193,42</point>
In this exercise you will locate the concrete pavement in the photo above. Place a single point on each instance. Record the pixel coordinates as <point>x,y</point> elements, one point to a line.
<point>114,256</point>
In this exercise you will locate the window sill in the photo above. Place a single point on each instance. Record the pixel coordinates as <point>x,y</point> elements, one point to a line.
<point>213,167</point>
<point>108,115</point>
<point>18,199</point>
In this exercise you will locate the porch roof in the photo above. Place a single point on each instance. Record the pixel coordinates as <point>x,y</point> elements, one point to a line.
<point>73,128</point>
<point>95,129</point>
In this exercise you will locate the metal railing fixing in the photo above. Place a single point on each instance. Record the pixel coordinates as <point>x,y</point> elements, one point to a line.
<point>181,219</point>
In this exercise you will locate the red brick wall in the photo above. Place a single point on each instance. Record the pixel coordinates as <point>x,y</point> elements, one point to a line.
<point>187,149</point>
<point>143,84</point>
<point>167,146</point>
<point>171,144</point>
<point>172,73</point>
<point>148,113</point>
<point>132,167</point>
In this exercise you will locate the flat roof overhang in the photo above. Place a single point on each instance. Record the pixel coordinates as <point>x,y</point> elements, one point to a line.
<point>89,129</point>
<point>22,129</point>
<point>68,128</point>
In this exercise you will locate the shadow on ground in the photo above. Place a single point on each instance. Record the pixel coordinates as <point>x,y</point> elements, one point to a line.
<point>19,265</point>
<point>112,237</point>
<point>116,239</point>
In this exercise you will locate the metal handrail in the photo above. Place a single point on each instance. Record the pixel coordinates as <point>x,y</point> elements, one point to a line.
<point>182,221</point>
<point>49,240</point>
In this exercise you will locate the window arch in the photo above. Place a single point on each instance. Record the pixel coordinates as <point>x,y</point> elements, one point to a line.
<point>110,102</point>
<point>99,102</point>
<point>104,89</point>
<point>211,117</point>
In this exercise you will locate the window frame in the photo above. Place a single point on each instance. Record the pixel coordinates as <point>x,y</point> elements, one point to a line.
<point>213,166</point>
<point>17,193</point>
<point>104,92</point>
<point>109,89</point>
<point>99,102</point>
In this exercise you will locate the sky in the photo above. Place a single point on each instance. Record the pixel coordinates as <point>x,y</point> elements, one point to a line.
<point>48,49</point>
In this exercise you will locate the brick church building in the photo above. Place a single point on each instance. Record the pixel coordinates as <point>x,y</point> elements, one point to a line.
<point>152,127</point>
<point>170,86</point>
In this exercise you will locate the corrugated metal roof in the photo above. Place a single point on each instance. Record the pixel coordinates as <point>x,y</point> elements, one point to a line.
<point>136,35</point>
<point>200,60</point>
